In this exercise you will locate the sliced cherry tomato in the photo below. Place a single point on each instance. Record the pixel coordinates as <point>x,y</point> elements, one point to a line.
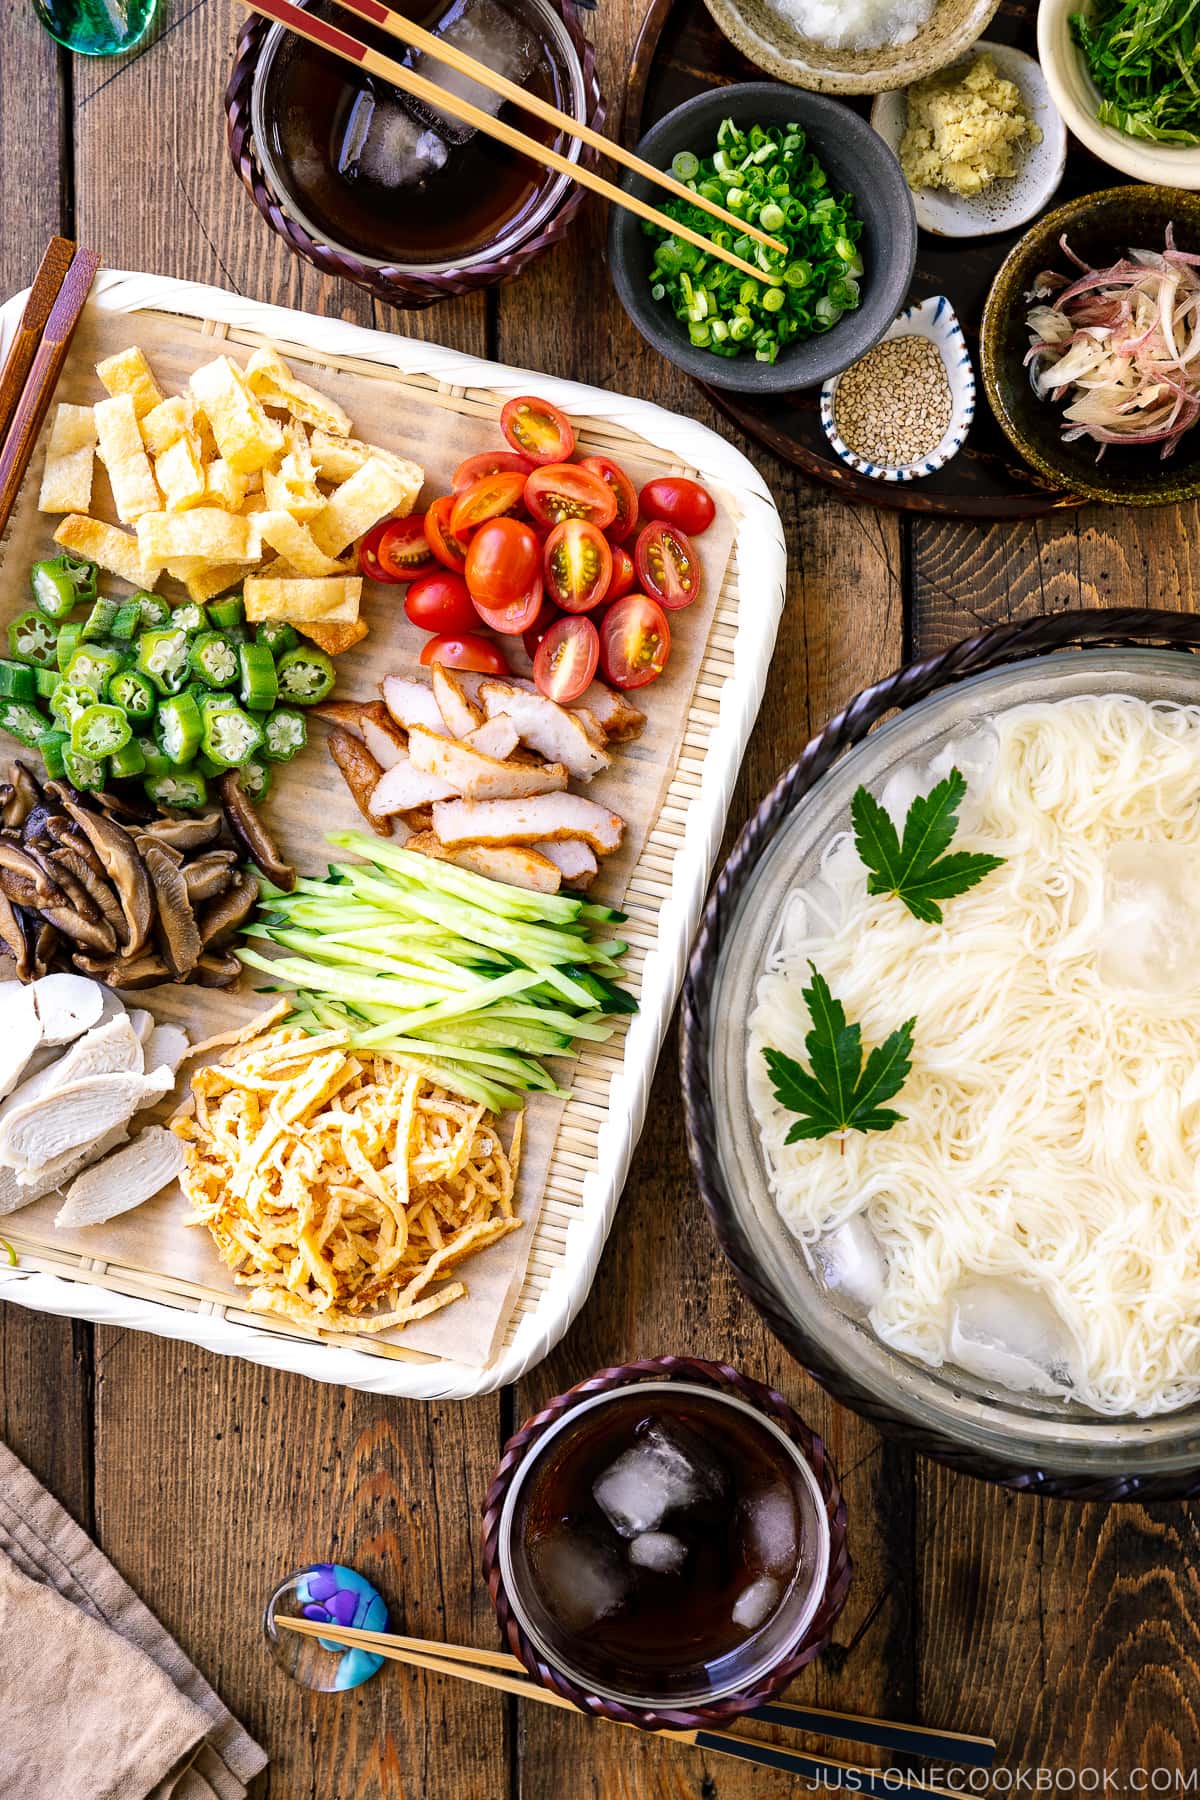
<point>635,642</point>
<point>503,558</point>
<point>490,462</point>
<point>518,615</point>
<point>569,491</point>
<point>538,430</point>
<point>466,651</point>
<point>566,659</point>
<point>440,602</point>
<point>396,550</point>
<point>537,631</point>
<point>667,566</point>
<point>623,574</point>
<point>614,476</point>
<point>451,551</point>
<point>577,563</point>
<point>680,502</point>
<point>486,499</point>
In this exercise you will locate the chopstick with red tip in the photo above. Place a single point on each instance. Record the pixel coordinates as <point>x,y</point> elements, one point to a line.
<point>397,26</point>
<point>499,1670</point>
<point>350,49</point>
<point>29,381</point>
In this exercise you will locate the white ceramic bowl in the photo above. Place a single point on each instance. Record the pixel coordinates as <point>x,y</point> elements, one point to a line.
<point>761,33</point>
<point>1075,95</point>
<point>1006,204</point>
<point>936,320</point>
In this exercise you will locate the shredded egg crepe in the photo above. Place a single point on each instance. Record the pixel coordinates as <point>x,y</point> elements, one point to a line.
<point>1050,1143</point>
<point>341,1188</point>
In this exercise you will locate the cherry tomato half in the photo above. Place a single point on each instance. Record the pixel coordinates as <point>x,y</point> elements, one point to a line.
<point>623,574</point>
<point>503,558</point>
<point>514,618</point>
<point>566,659</point>
<point>614,476</point>
<point>486,499</point>
<point>450,551</point>
<point>569,491</point>
<point>440,602</point>
<point>578,564</point>
<point>667,566</point>
<point>468,651</point>
<point>490,462</point>
<point>680,502</point>
<point>396,550</point>
<point>537,430</point>
<point>537,631</point>
<point>636,641</point>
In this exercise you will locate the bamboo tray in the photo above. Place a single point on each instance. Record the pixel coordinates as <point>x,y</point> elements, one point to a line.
<point>718,690</point>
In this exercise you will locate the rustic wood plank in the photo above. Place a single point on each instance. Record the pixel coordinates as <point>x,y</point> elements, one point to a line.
<point>256,1472</point>
<point>1066,1631</point>
<point>45,1363</point>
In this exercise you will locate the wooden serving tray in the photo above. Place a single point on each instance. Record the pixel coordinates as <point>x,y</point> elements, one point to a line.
<point>681,52</point>
<point>672,786</point>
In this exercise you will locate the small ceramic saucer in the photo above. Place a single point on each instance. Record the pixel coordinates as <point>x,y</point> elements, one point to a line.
<point>1007,203</point>
<point>936,320</point>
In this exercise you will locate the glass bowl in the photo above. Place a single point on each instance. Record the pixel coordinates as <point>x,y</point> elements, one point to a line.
<point>251,100</point>
<point>1022,1439</point>
<point>685,1694</point>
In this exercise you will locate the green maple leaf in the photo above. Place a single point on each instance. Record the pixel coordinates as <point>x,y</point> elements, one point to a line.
<point>838,1093</point>
<point>915,867</point>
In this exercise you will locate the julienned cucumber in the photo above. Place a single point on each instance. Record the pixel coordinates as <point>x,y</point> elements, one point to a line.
<point>471,978</point>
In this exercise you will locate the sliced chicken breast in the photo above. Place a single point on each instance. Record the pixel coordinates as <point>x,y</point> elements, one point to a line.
<point>617,718</point>
<point>143,1024</point>
<point>498,738</point>
<point>20,1032</point>
<point>412,703</point>
<point>124,1180</point>
<point>459,711</point>
<point>576,861</point>
<point>166,1048</point>
<point>549,816</point>
<point>21,1187</point>
<point>478,777</point>
<point>552,730</point>
<point>404,788</point>
<point>67,1005</point>
<point>513,864</point>
<point>382,736</point>
<point>75,1115</point>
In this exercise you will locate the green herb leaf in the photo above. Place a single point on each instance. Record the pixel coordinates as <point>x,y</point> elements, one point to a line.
<point>839,1094</point>
<point>916,868</point>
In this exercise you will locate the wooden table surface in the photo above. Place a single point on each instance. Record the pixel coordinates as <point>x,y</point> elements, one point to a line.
<point>1067,1631</point>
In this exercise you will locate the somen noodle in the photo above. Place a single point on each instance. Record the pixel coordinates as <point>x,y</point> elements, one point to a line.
<point>1049,1154</point>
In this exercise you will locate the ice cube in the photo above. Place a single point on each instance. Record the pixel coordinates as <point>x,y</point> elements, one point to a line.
<point>1151,921</point>
<point>383,143</point>
<point>659,1551</point>
<point>1006,1332</point>
<point>491,34</point>
<point>770,1530</point>
<point>667,1469</point>
<point>582,1582</point>
<point>974,756</point>
<point>851,1261</point>
<point>900,790</point>
<point>755,1604</point>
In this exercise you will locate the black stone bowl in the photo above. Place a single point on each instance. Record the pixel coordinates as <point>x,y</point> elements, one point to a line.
<point>1099,228</point>
<point>857,161</point>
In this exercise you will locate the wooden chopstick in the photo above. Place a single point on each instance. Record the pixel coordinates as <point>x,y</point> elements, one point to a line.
<point>397,26</point>
<point>42,295</point>
<point>26,417</point>
<point>490,1668</point>
<point>340,43</point>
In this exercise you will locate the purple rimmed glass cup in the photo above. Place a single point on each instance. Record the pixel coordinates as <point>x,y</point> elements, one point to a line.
<point>665,1544</point>
<point>294,110</point>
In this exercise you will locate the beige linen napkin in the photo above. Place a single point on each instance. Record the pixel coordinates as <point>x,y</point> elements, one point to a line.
<point>96,1701</point>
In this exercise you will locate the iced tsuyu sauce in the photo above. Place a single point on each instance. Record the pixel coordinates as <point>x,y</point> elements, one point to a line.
<point>369,172</point>
<point>661,1534</point>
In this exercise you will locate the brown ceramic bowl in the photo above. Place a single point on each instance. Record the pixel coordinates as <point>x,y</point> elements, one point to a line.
<point>774,1652</point>
<point>1099,228</point>
<point>767,38</point>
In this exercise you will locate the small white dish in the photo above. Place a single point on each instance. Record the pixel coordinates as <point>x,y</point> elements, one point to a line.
<point>1075,95</point>
<point>1007,203</point>
<point>936,320</point>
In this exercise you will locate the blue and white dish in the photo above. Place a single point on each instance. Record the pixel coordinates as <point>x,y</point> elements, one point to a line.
<point>936,320</point>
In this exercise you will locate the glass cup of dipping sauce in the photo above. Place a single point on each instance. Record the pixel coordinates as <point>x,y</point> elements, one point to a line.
<point>666,1550</point>
<point>97,27</point>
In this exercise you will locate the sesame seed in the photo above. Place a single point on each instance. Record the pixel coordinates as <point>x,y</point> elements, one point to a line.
<point>894,405</point>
